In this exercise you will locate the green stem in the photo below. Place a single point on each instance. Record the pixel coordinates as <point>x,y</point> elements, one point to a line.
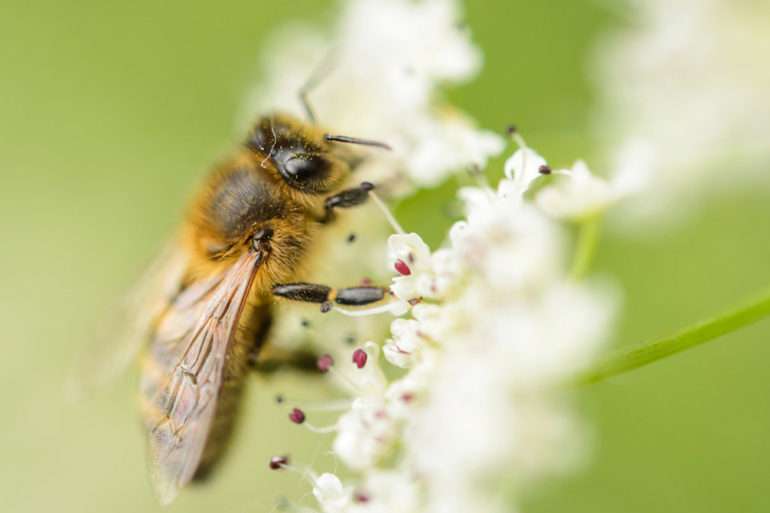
<point>588,239</point>
<point>645,354</point>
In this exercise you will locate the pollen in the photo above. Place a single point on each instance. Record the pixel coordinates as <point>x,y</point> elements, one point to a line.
<point>360,357</point>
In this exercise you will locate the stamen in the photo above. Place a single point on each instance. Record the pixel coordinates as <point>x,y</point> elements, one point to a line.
<point>514,134</point>
<point>544,169</point>
<point>386,308</point>
<point>325,363</point>
<point>361,497</point>
<point>338,405</point>
<point>297,416</point>
<point>360,357</point>
<point>351,385</point>
<point>402,268</point>
<point>386,211</point>
<point>321,430</point>
<point>279,462</point>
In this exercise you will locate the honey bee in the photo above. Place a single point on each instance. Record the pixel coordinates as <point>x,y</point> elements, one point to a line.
<point>241,246</point>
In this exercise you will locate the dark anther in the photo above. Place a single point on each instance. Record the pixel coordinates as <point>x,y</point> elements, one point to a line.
<point>279,399</point>
<point>544,170</point>
<point>305,323</point>
<point>367,186</point>
<point>351,238</point>
<point>326,306</point>
<point>511,129</point>
<point>278,462</point>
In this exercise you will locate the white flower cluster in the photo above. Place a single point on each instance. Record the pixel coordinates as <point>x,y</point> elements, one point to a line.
<point>496,328</point>
<point>377,78</point>
<point>686,99</point>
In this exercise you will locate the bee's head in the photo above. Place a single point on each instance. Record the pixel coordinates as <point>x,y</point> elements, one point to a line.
<point>307,158</point>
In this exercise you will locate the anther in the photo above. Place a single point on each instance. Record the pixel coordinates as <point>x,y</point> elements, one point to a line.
<point>297,416</point>
<point>325,363</point>
<point>351,238</point>
<point>279,399</point>
<point>402,268</point>
<point>361,497</point>
<point>360,357</point>
<point>326,306</point>
<point>278,462</point>
<point>544,169</point>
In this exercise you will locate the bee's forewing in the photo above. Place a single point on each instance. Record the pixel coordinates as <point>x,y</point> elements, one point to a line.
<point>122,332</point>
<point>183,371</point>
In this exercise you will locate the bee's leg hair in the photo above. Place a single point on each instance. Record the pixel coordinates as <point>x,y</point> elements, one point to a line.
<point>325,296</point>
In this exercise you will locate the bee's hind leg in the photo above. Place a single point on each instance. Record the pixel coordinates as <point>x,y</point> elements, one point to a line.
<point>272,359</point>
<point>326,296</point>
<point>345,199</point>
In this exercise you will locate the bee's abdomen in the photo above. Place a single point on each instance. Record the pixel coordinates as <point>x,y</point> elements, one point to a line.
<point>249,337</point>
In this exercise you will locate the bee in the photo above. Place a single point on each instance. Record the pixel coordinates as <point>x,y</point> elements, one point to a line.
<point>241,245</point>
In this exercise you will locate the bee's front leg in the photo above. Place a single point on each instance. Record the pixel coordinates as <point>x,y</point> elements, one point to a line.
<point>325,295</point>
<point>346,199</point>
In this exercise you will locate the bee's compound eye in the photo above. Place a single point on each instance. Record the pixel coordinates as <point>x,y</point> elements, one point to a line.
<point>303,166</point>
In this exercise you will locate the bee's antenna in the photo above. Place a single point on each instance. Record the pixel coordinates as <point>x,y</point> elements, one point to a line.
<point>354,140</point>
<point>321,71</point>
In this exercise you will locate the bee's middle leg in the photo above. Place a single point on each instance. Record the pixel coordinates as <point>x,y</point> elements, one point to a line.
<point>325,295</point>
<point>346,199</point>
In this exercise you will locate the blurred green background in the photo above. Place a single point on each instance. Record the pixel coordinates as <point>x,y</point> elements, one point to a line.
<point>109,113</point>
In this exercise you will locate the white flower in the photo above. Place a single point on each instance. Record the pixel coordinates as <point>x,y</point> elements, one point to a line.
<point>521,169</point>
<point>364,434</point>
<point>331,495</point>
<point>683,91</point>
<point>421,274</point>
<point>404,348</point>
<point>576,194</point>
<point>474,399</point>
<point>385,65</point>
<point>389,492</point>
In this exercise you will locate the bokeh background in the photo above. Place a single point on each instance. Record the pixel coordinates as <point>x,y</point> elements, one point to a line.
<point>110,112</point>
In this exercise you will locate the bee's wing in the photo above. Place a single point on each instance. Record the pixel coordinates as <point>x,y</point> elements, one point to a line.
<point>121,333</point>
<point>183,371</point>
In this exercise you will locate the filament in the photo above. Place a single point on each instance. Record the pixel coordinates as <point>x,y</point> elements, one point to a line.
<point>386,211</point>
